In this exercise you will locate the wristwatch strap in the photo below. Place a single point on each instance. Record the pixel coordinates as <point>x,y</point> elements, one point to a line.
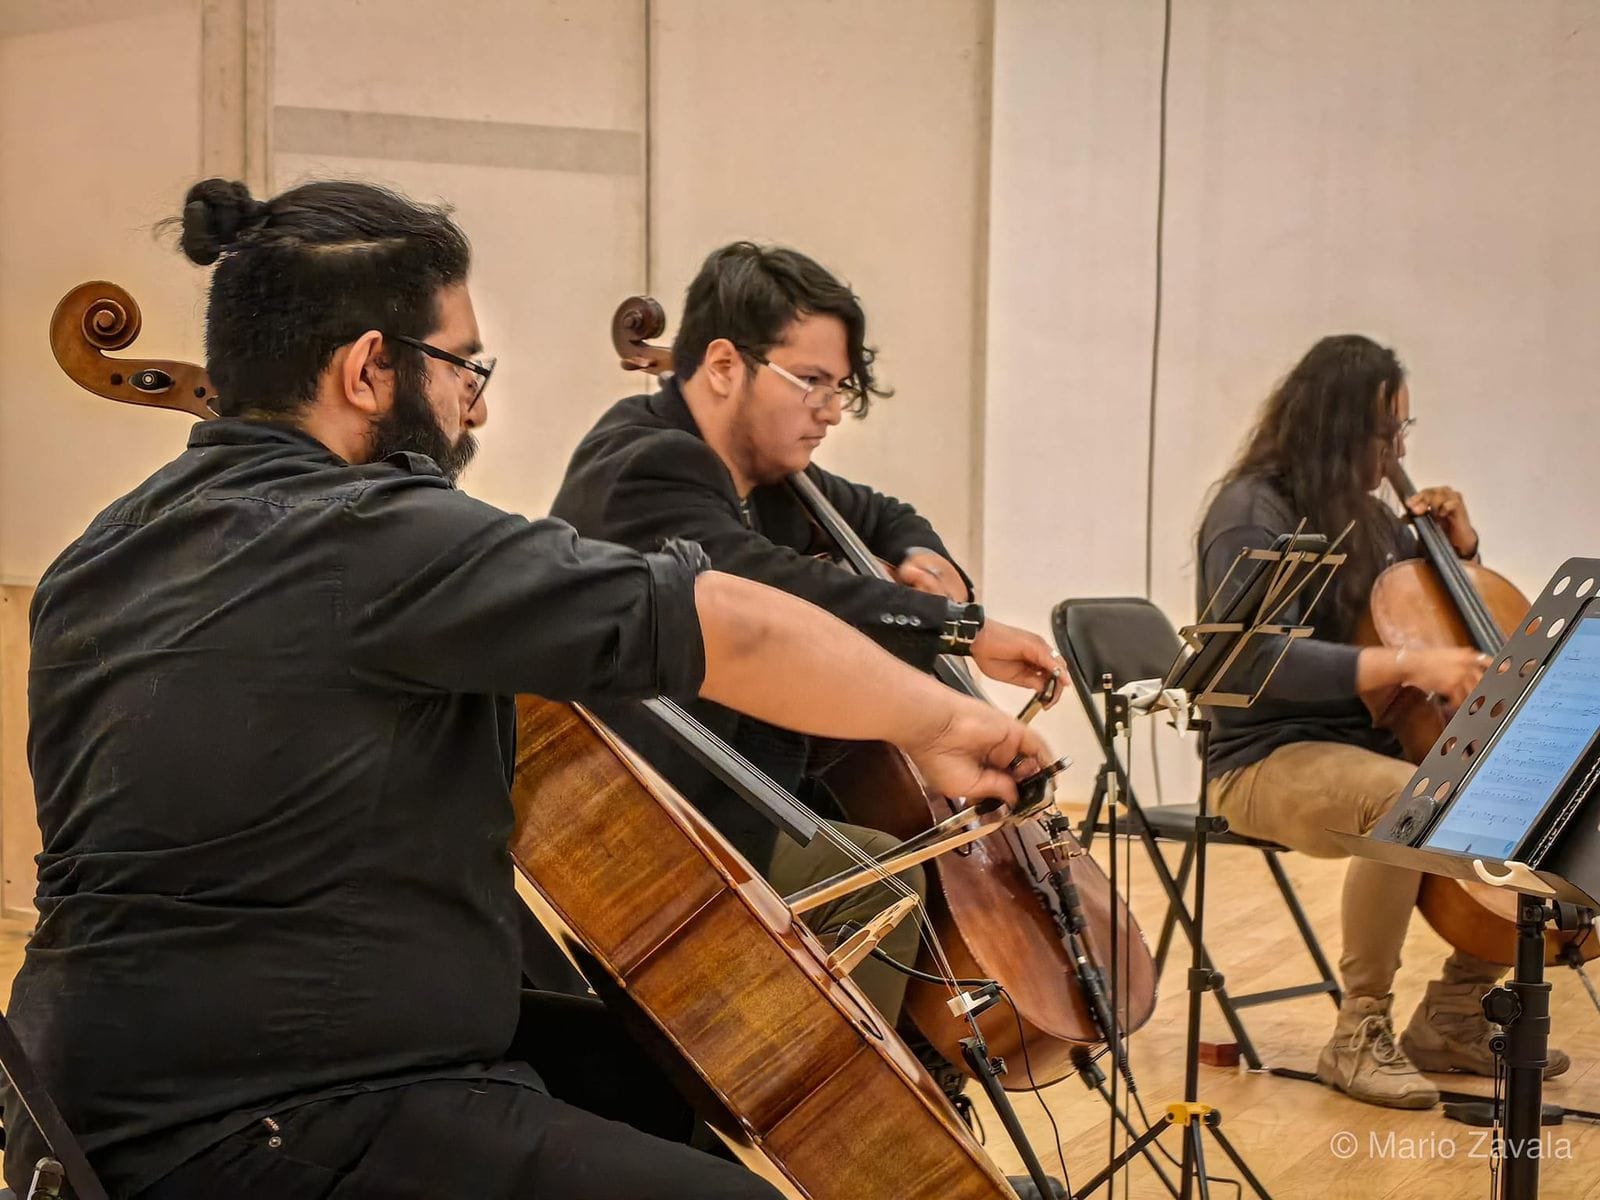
<point>961,628</point>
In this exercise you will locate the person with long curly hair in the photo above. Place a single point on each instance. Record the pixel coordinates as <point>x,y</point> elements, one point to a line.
<point>1307,759</point>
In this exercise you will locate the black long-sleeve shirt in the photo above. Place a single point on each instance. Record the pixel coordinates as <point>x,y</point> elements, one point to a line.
<point>644,474</point>
<point>272,745</point>
<point>1312,697</point>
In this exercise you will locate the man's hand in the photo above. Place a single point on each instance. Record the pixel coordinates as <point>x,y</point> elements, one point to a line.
<point>972,752</point>
<point>1449,673</point>
<point>932,573</point>
<point>1450,510</point>
<point>1010,655</point>
<point>838,684</point>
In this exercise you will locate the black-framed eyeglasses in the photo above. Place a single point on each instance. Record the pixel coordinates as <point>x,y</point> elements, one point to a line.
<point>480,370</point>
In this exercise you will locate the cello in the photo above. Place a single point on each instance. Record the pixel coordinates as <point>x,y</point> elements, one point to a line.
<point>1028,908</point>
<point>786,1055</point>
<point>1432,602</point>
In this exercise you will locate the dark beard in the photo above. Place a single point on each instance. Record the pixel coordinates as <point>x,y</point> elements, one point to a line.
<point>410,426</point>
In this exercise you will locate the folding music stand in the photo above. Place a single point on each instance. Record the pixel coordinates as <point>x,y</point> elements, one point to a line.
<point>1506,796</point>
<point>1224,663</point>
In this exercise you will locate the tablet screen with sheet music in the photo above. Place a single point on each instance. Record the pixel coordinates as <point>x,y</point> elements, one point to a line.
<point>1531,756</point>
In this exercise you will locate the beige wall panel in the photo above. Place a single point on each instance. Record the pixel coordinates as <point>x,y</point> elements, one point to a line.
<point>19,826</point>
<point>1423,173</point>
<point>549,62</point>
<point>1071,225</point>
<point>92,154</point>
<point>554,248</point>
<point>1399,171</point>
<point>855,132</point>
<point>552,253</point>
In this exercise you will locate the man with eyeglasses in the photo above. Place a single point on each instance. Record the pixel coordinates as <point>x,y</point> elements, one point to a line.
<point>1307,759</point>
<point>272,743</point>
<point>770,355</point>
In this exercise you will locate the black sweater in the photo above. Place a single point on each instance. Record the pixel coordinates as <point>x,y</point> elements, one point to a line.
<point>644,474</point>
<point>1312,697</point>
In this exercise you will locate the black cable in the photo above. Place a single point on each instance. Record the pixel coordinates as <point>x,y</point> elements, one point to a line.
<point>1111,1029</point>
<point>1238,1187</point>
<point>1038,1092</point>
<point>1155,333</point>
<point>1127,959</point>
<point>850,927</point>
<point>1022,1040</point>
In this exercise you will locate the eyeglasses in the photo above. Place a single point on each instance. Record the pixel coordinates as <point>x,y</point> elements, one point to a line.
<point>815,396</point>
<point>480,371</point>
<point>1402,428</point>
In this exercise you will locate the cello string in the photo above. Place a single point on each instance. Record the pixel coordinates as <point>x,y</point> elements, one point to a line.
<point>859,556</point>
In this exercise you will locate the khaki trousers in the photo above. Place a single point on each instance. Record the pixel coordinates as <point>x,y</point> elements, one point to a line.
<point>795,866</point>
<point>1297,794</point>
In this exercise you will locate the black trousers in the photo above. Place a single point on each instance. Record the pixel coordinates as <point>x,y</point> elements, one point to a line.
<point>614,1133</point>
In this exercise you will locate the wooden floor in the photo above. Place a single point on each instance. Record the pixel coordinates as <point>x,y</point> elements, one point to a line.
<point>1303,1140</point>
<point>1297,1137</point>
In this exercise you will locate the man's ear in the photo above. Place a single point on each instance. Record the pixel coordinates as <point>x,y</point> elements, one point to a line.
<point>366,376</point>
<point>723,367</point>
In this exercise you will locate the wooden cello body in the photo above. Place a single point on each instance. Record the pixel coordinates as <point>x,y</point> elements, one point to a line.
<point>801,1066</point>
<point>784,1055</point>
<point>1435,602</point>
<point>997,906</point>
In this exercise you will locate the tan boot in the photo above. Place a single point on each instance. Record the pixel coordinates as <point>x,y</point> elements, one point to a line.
<point>1449,1032</point>
<point>1363,1061</point>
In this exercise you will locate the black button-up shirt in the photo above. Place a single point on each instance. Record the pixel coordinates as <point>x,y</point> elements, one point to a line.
<point>271,743</point>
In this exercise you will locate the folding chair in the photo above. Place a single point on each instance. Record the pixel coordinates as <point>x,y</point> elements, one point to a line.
<point>1129,639</point>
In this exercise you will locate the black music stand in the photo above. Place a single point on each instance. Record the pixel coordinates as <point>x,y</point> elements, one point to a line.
<point>1507,796</point>
<point>1228,658</point>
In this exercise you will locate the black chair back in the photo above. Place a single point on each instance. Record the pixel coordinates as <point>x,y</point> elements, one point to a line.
<point>1126,637</point>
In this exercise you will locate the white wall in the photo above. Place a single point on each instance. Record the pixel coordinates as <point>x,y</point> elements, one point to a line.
<point>1425,173</point>
<point>543,96</point>
<point>855,132</point>
<point>93,152</point>
<point>1422,172</point>
<point>1072,221</point>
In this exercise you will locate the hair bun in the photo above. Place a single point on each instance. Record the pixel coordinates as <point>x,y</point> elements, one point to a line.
<point>216,212</point>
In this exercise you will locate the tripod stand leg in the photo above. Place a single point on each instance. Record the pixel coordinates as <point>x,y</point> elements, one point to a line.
<point>1122,1119</point>
<point>1137,1146</point>
<point>987,1070</point>
<point>1238,1161</point>
<point>1194,1161</point>
<point>1170,921</point>
<point>1526,1019</point>
<point>1091,815</point>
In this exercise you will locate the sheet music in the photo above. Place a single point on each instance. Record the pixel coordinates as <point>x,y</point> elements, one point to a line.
<point>1525,765</point>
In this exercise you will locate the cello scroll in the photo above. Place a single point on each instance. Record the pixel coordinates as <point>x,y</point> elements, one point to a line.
<point>636,321</point>
<point>97,317</point>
